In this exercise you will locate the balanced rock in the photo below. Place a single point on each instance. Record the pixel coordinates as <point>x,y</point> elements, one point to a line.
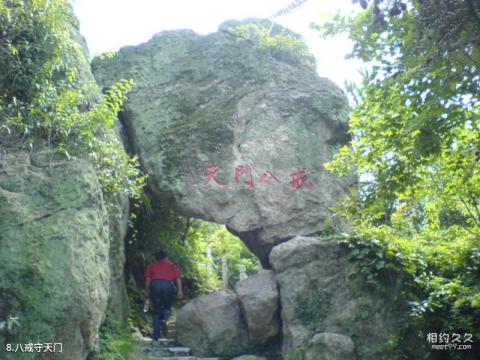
<point>321,293</point>
<point>212,325</point>
<point>235,128</point>
<point>258,295</point>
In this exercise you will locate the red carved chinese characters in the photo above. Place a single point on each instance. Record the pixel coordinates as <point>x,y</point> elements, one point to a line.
<point>210,175</point>
<point>298,179</point>
<point>268,175</point>
<point>240,170</point>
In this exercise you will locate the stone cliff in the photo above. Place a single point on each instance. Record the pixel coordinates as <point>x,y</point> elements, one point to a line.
<point>54,241</point>
<point>61,245</point>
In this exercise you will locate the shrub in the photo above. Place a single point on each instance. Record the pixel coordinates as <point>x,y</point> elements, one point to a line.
<point>47,97</point>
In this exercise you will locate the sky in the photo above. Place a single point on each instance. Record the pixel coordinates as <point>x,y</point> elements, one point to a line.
<point>108,25</point>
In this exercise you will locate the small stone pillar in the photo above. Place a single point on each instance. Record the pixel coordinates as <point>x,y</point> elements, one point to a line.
<point>224,273</point>
<point>242,272</point>
<point>209,257</point>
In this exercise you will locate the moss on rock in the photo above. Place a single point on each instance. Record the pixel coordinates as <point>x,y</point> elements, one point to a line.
<point>54,248</point>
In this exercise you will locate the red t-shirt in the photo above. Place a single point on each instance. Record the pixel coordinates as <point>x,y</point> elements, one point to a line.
<point>163,270</point>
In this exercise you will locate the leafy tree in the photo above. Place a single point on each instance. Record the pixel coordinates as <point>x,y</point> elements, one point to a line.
<point>281,43</point>
<point>196,246</point>
<point>159,227</point>
<point>223,244</point>
<point>48,97</point>
<point>415,147</point>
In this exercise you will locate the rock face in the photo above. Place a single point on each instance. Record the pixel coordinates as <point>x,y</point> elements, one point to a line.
<point>330,346</point>
<point>54,251</point>
<point>118,213</point>
<point>325,305</point>
<point>234,129</point>
<point>212,325</point>
<point>61,247</point>
<point>118,217</point>
<point>259,302</point>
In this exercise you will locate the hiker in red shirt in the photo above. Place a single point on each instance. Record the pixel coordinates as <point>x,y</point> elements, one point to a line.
<point>159,289</point>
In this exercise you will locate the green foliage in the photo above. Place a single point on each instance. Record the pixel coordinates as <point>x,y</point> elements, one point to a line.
<point>195,246</point>
<point>30,317</point>
<point>47,97</point>
<point>417,154</point>
<point>328,228</point>
<point>225,245</point>
<point>107,55</point>
<point>115,342</point>
<point>298,353</point>
<point>378,267</point>
<point>282,44</point>
<point>160,227</point>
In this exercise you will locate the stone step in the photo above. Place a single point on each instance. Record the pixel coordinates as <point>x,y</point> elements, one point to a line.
<point>158,353</point>
<point>163,342</point>
<point>172,329</point>
<point>185,358</point>
<point>180,350</point>
<point>175,358</point>
<point>168,351</point>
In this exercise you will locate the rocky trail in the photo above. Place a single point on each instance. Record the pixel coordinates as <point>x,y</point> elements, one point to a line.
<point>168,348</point>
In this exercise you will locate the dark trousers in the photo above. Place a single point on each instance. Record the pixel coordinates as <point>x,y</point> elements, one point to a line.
<point>161,296</point>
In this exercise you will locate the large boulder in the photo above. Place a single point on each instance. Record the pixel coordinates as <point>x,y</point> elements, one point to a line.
<point>235,128</point>
<point>54,252</point>
<point>259,301</point>
<point>325,302</point>
<point>212,325</point>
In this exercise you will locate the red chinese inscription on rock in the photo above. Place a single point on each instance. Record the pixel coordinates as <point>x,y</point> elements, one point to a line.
<point>298,179</point>
<point>240,170</point>
<point>210,175</point>
<point>268,175</point>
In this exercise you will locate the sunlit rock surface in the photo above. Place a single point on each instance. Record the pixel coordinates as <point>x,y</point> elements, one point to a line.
<point>235,130</point>
<point>327,308</point>
<point>212,325</point>
<point>259,301</point>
